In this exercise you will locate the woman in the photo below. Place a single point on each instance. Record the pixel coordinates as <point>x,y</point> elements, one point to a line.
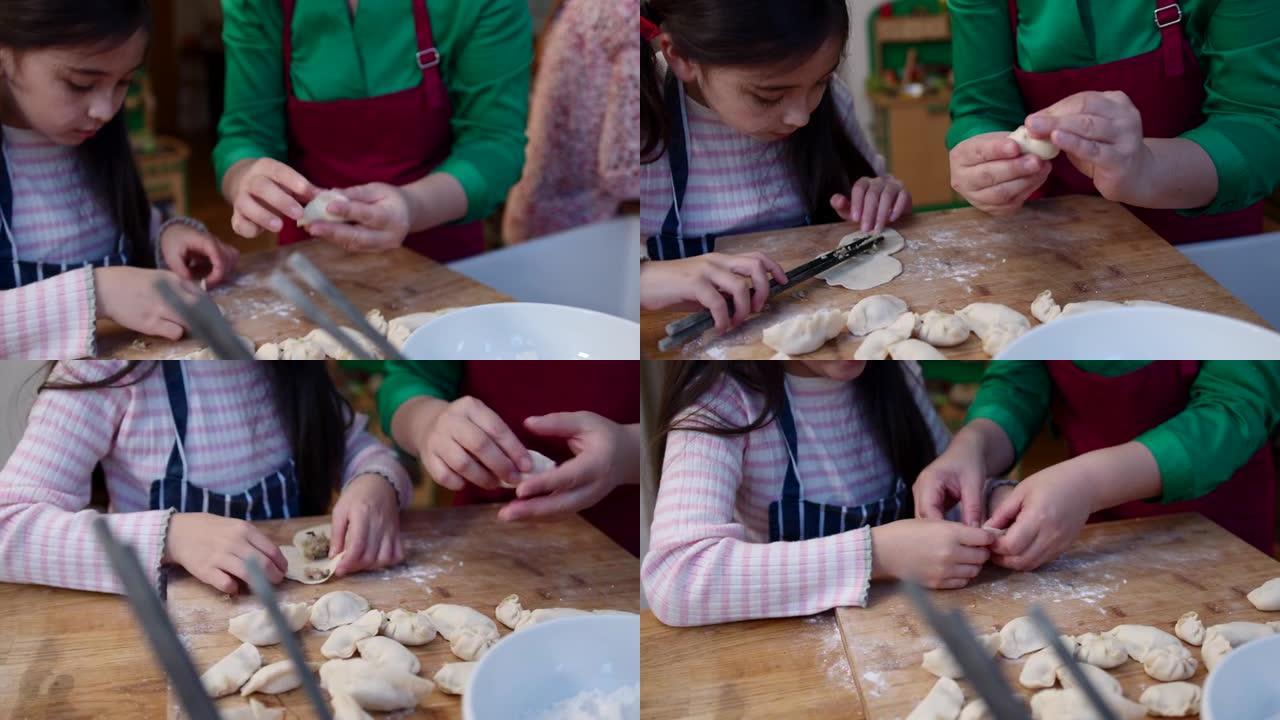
<point>415,108</point>
<point>1167,107</point>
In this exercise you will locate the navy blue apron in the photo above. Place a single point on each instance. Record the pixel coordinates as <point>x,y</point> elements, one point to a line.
<point>275,496</point>
<point>15,273</point>
<point>793,518</point>
<point>671,243</point>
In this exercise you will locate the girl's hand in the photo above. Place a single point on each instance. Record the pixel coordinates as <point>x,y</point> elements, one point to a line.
<point>216,550</point>
<point>381,217</point>
<point>992,173</point>
<point>1101,133</point>
<point>605,455</point>
<point>873,202</point>
<point>261,191</point>
<point>127,296</point>
<point>935,553</point>
<point>366,525</point>
<point>706,280</point>
<point>959,474</point>
<point>469,443</point>
<point>1043,515</point>
<point>185,249</point>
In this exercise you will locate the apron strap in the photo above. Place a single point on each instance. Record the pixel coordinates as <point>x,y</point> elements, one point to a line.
<point>286,44</point>
<point>8,243</point>
<point>428,55</point>
<point>789,518</point>
<point>175,387</point>
<point>1168,17</point>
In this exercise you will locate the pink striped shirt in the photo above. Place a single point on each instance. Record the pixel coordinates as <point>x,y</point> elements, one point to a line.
<point>234,439</point>
<point>710,559</point>
<point>735,180</point>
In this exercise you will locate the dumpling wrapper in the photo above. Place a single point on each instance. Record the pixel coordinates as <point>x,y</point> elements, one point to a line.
<point>308,556</point>
<point>868,271</point>
<point>541,463</point>
<point>318,209</point>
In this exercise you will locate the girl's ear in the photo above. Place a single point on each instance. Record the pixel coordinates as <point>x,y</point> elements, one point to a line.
<point>686,71</point>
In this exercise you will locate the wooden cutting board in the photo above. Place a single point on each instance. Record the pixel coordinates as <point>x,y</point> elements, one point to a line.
<point>397,282</point>
<point>1147,571</point>
<point>1081,248</point>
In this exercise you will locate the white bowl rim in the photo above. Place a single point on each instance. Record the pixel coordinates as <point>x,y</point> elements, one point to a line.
<point>448,317</point>
<point>1247,649</point>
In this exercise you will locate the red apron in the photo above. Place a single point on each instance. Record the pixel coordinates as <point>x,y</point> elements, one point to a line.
<point>519,389</point>
<point>396,139</point>
<point>1166,85</point>
<point>1094,411</point>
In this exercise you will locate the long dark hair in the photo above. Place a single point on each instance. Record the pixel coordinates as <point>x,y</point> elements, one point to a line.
<point>888,407</point>
<point>823,158</point>
<point>313,414</point>
<point>106,157</point>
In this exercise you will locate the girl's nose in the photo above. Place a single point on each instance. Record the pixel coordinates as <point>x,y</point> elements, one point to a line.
<point>796,116</point>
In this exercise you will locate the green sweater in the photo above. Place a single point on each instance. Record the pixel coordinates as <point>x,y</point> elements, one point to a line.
<point>486,48</point>
<point>1233,409</point>
<point>405,380</point>
<point>1236,41</point>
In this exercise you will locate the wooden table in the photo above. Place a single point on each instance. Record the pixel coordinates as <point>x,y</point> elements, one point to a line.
<point>397,282</point>
<point>1081,248</point>
<point>69,654</point>
<point>1147,571</point>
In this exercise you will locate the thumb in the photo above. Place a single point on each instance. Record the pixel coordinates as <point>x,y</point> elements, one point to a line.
<point>1004,513</point>
<point>363,193</point>
<point>339,537</point>
<point>561,424</point>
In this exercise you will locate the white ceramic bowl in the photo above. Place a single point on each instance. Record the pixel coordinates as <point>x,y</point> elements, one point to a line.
<point>529,672</point>
<point>1246,684</point>
<point>1145,333</point>
<point>525,331</point>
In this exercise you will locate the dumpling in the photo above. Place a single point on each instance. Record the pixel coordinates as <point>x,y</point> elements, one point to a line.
<point>1213,650</point>
<point>1102,651</point>
<point>409,628</point>
<point>346,708</point>
<point>542,615</point>
<point>253,711</point>
<point>337,608</point>
<point>876,345</point>
<point>273,679</point>
<point>1019,636</point>
<point>939,661</point>
<point>805,333</point>
<point>509,612</point>
<point>1266,596</point>
<point>1040,670</point>
<point>384,651</point>
<point>342,642</point>
<point>996,325</point>
<point>373,686</point>
<point>256,627</point>
<point>1071,704</point>
<point>451,620</point>
<point>330,346</point>
<point>308,556</point>
<point>454,677</point>
<point>1175,699</point>
<point>874,312</point>
<point>1169,662</point>
<point>468,644</point>
<point>944,700</point>
<point>228,674</point>
<point>1239,633</point>
<point>377,321</point>
<point>1189,628</point>
<point>912,349</point>
<point>400,328</point>
<point>318,209</point>
<point>295,349</point>
<point>1101,679</point>
<point>941,329</point>
<point>1138,640</point>
<point>1079,308</point>
<point>1042,149</point>
<point>976,710</point>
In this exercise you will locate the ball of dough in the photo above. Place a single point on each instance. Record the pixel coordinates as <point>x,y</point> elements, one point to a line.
<point>941,329</point>
<point>1042,149</point>
<point>875,312</point>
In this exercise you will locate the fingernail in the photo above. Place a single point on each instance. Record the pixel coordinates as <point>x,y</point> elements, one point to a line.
<point>854,215</point>
<point>1038,123</point>
<point>275,224</point>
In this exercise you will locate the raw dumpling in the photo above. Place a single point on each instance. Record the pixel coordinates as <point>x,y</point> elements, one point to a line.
<point>804,333</point>
<point>377,321</point>
<point>451,620</point>
<point>308,556</point>
<point>943,702</point>
<point>510,612</point>
<point>1138,640</point>
<point>468,644</point>
<point>273,679</point>
<point>1175,699</point>
<point>997,325</point>
<point>373,686</point>
<point>1102,651</point>
<point>941,329</point>
<point>1020,636</point>
<point>409,628</point>
<point>1266,596</point>
<point>337,608</point>
<point>228,674</point>
<point>400,328</point>
<point>318,209</point>
<point>385,651</point>
<point>342,641</point>
<point>1239,633</point>
<point>1099,678</point>
<point>1079,308</point>
<point>346,708</point>
<point>874,312</point>
<point>295,349</point>
<point>542,615</point>
<point>1169,662</point>
<point>1213,650</point>
<point>207,353</point>
<point>253,711</point>
<point>541,463</point>
<point>939,661</point>
<point>976,710</point>
<point>912,349</point>
<point>454,677</point>
<point>868,271</point>
<point>876,345</point>
<point>1040,670</point>
<point>1071,704</point>
<point>1189,628</point>
<point>256,627</point>
<point>330,346</point>
<point>269,351</point>
<point>1042,149</point>
<point>1043,308</point>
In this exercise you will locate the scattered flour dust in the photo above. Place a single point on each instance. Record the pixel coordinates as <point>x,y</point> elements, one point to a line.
<point>620,704</point>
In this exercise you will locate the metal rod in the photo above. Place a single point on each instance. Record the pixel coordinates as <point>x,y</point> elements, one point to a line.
<point>312,276</point>
<point>1050,635</point>
<point>284,287</point>
<point>261,587</point>
<point>206,322</point>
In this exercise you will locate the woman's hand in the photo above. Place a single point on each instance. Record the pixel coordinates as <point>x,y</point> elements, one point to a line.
<point>378,218</point>
<point>468,443</point>
<point>216,550</point>
<point>605,455</point>
<point>1041,516</point>
<point>706,280</point>
<point>938,554</point>
<point>958,475</point>
<point>1101,133</point>
<point>873,202</point>
<point>366,525</point>
<point>993,174</point>
<point>261,191</point>
<point>186,249</point>
<point>127,295</point>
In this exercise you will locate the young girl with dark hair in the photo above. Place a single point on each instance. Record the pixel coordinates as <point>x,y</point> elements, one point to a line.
<point>78,239</point>
<point>786,489</point>
<point>191,453</point>
<point>745,128</point>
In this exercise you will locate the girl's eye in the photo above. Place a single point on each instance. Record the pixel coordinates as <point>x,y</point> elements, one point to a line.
<point>764,101</point>
<point>76,87</point>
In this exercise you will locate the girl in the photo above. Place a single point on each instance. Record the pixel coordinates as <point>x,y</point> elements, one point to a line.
<point>1193,435</point>
<point>190,454</point>
<point>77,237</point>
<point>757,134</point>
<point>1168,107</point>
<point>786,489</point>
<point>419,104</point>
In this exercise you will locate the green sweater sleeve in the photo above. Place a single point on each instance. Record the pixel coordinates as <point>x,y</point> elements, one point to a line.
<point>1014,394</point>
<point>252,122</point>
<point>406,380</point>
<point>986,97</point>
<point>1234,407</point>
